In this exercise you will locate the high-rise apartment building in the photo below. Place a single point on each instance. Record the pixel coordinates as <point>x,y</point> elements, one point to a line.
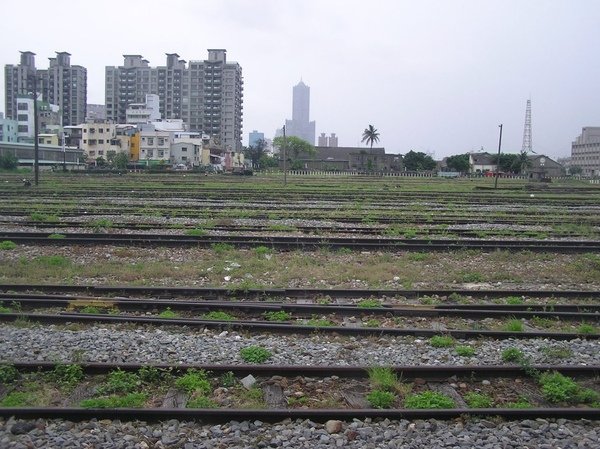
<point>585,151</point>
<point>207,95</point>
<point>254,137</point>
<point>300,124</point>
<point>61,84</point>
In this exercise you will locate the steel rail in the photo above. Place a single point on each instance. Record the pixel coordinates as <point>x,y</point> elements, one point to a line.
<point>305,242</point>
<point>305,309</point>
<point>233,292</point>
<point>283,328</point>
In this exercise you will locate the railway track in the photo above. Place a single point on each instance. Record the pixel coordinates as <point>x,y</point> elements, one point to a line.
<point>331,392</point>
<point>304,242</point>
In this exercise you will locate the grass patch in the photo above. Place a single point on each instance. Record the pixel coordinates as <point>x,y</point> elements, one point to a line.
<point>320,322</point>
<point>8,374</point>
<point>473,277</point>
<point>373,323</point>
<point>120,381</point>
<point>262,250</point>
<point>255,354</point>
<point>557,352</point>
<point>57,236</point>
<point>369,304</point>
<point>383,378</point>
<point>218,315</point>
<point>43,218</point>
<point>131,400</point>
<point>277,315</point>
<point>194,381</point>
<point>429,400</point>
<point>514,300</point>
<point>441,341</point>
<point>521,403</point>
<point>201,402</point>
<point>222,248</point>
<point>381,399</point>
<point>18,399</point>
<point>513,325</point>
<point>7,245</point>
<point>586,328</point>
<point>52,261</point>
<point>168,313</point>
<point>557,387</point>
<point>512,355</point>
<point>478,400</point>
<point>67,376</point>
<point>197,232</point>
<point>465,351</point>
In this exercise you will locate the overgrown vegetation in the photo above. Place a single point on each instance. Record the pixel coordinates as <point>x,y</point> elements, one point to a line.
<point>255,354</point>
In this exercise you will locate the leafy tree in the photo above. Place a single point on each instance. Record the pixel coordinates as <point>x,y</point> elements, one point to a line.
<point>120,161</point>
<point>100,161</point>
<point>267,161</point>
<point>575,170</point>
<point>256,152</point>
<point>458,162</point>
<point>523,162</point>
<point>9,162</point>
<point>508,162</point>
<point>294,147</point>
<point>370,136</point>
<point>418,161</point>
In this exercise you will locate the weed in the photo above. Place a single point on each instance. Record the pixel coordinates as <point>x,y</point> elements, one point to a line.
<point>221,248</point>
<point>262,250</point>
<point>120,381</point>
<point>381,399</point>
<point>67,376</point>
<point>293,401</point>
<point>319,322</point>
<point>344,251</point>
<point>90,309</point>
<point>465,351</point>
<point>473,277</point>
<point>383,378</point>
<point>255,354</point>
<point>17,399</point>
<point>587,396</point>
<point>281,227</point>
<point>43,218</point>
<point>7,245</point>
<point>195,232</point>
<point>429,400</point>
<point>586,329</point>
<point>369,304</point>
<point>520,403</point>
<point>418,257</point>
<point>194,381</point>
<point>8,374</point>
<point>218,315</point>
<point>557,387</point>
<point>201,402</point>
<point>101,223</point>
<point>456,297</point>
<point>168,313</point>
<point>441,341</point>
<point>557,352</point>
<point>4,309</point>
<point>478,400</point>
<point>277,315</point>
<point>57,236</point>
<point>151,374</point>
<point>410,233</point>
<point>514,300</point>
<point>228,379</point>
<point>372,323</point>
<point>52,261</point>
<point>512,355</point>
<point>513,325</point>
<point>131,400</point>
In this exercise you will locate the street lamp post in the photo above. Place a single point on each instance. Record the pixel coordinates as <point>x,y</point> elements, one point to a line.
<point>284,160</point>
<point>498,161</point>
<point>36,147</point>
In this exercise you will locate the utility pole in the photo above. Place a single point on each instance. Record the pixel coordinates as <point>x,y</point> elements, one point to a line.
<point>36,147</point>
<point>284,160</point>
<point>498,161</point>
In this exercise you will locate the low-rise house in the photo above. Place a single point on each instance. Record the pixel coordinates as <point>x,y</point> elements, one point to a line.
<point>482,162</point>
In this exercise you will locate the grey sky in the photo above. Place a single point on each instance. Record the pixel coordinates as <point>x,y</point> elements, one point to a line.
<point>430,75</point>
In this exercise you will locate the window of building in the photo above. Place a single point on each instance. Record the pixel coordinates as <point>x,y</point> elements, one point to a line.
<point>22,106</point>
<point>150,140</point>
<point>161,141</point>
<point>161,153</point>
<point>23,128</point>
<point>101,141</point>
<point>84,141</point>
<point>22,117</point>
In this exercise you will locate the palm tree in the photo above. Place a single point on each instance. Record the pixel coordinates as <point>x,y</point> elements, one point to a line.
<point>370,135</point>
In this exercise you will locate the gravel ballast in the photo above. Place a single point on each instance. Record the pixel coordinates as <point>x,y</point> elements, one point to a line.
<point>482,434</point>
<point>120,344</point>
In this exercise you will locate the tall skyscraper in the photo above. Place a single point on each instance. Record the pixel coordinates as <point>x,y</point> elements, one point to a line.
<point>62,84</point>
<point>207,95</point>
<point>254,137</point>
<point>300,124</point>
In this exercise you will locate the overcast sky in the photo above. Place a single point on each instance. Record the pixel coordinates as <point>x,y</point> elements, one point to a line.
<point>437,76</point>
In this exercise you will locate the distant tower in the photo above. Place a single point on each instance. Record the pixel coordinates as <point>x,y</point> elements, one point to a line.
<point>527,130</point>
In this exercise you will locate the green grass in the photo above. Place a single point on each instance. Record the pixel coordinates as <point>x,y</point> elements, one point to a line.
<point>442,341</point>
<point>558,388</point>
<point>514,300</point>
<point>168,313</point>
<point>465,351</point>
<point>218,315</point>
<point>429,400</point>
<point>381,399</point>
<point>7,245</point>
<point>586,329</point>
<point>195,232</point>
<point>513,325</point>
<point>262,250</point>
<point>512,355</point>
<point>101,223</point>
<point>67,376</point>
<point>320,322</point>
<point>369,304</point>
<point>473,277</point>
<point>90,309</point>
<point>557,352</point>
<point>521,403</point>
<point>18,399</point>
<point>194,381</point>
<point>130,400</point>
<point>8,374</point>
<point>43,218</point>
<point>383,378</point>
<point>222,248</point>
<point>57,236</point>
<point>373,323</point>
<point>119,381</point>
<point>52,261</point>
<point>4,309</point>
<point>201,402</point>
<point>281,227</point>
<point>255,354</point>
<point>277,315</point>
<point>478,400</point>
